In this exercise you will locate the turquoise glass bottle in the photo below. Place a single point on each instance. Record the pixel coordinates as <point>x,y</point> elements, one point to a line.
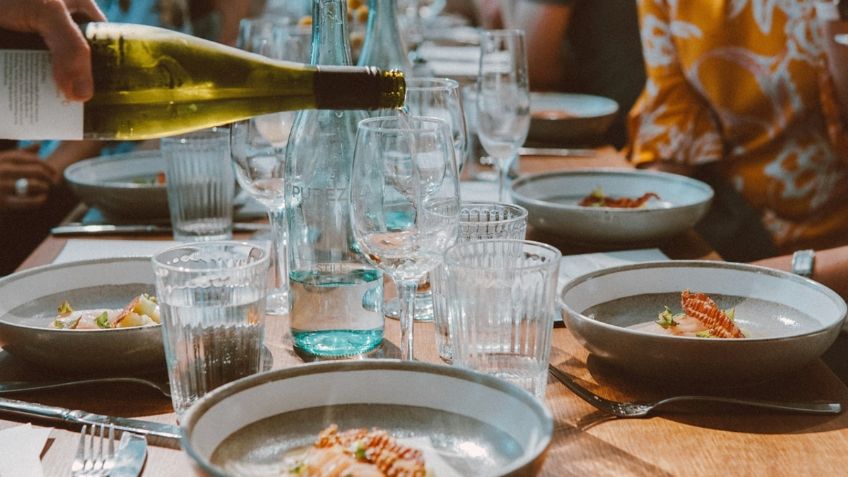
<point>384,47</point>
<point>336,298</point>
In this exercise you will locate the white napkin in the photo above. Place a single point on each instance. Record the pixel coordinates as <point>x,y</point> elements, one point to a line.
<point>572,266</point>
<point>457,54</point>
<point>85,249</point>
<point>20,450</point>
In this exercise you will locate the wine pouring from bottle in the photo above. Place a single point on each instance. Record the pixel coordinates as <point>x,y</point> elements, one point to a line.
<point>151,82</point>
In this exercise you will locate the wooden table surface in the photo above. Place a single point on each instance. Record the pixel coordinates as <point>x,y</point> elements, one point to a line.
<point>705,442</point>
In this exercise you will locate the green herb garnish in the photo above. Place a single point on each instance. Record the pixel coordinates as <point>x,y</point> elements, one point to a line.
<point>102,320</point>
<point>666,318</point>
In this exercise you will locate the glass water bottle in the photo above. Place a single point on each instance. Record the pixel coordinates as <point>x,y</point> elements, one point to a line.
<point>336,298</point>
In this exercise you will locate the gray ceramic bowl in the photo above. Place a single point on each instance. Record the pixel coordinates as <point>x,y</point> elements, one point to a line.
<point>788,320</point>
<point>111,184</point>
<point>567,118</point>
<point>478,424</point>
<point>551,198</point>
<point>28,303</point>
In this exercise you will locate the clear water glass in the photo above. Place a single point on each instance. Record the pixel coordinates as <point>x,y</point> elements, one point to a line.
<point>404,202</point>
<point>200,184</point>
<point>501,296</point>
<point>503,99</point>
<point>258,144</point>
<point>212,300</point>
<point>477,221</point>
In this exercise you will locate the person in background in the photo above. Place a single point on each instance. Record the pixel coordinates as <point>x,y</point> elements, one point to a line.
<point>585,46</point>
<point>734,97</point>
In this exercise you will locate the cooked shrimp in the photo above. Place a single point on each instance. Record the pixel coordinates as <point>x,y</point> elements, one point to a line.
<point>705,310</point>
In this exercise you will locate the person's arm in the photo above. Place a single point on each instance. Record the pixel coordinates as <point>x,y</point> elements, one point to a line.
<point>52,20</point>
<point>545,25</point>
<point>670,121</point>
<point>830,268</point>
<point>24,164</point>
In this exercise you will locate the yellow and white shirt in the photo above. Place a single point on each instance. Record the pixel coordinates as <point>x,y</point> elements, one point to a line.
<point>738,81</point>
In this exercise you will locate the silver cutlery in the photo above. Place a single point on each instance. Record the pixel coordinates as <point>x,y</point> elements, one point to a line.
<point>130,457</point>
<point>21,386</point>
<point>557,151</point>
<point>632,409</point>
<point>93,460</point>
<point>76,228</point>
<point>122,424</point>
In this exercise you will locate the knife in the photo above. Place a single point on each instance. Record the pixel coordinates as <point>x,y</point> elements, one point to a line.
<point>122,424</point>
<point>556,151</point>
<point>132,451</point>
<point>97,229</point>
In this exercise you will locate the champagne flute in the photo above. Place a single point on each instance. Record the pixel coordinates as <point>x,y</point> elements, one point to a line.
<point>404,202</point>
<point>503,99</point>
<point>258,144</point>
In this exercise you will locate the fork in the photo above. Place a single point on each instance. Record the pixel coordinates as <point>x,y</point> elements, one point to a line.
<point>633,409</point>
<point>92,460</point>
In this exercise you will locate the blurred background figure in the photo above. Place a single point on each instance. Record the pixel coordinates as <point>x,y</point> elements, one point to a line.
<point>585,46</point>
<point>734,97</point>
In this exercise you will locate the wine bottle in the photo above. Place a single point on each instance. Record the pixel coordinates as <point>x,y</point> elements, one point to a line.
<point>151,82</point>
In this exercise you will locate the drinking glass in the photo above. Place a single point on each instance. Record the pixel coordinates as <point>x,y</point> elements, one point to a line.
<point>438,98</point>
<point>258,144</point>
<point>404,202</point>
<point>500,294</point>
<point>212,300</point>
<point>477,221</point>
<point>503,99</point>
<point>200,184</point>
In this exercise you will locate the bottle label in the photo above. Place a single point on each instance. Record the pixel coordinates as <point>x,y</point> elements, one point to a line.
<point>31,105</point>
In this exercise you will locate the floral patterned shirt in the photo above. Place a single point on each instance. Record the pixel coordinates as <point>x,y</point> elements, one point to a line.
<point>738,81</point>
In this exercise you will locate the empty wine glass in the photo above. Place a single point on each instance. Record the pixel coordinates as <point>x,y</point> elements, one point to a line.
<point>503,99</point>
<point>438,98</point>
<point>404,202</point>
<point>258,144</point>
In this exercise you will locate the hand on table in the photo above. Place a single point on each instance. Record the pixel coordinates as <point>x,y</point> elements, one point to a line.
<point>25,179</point>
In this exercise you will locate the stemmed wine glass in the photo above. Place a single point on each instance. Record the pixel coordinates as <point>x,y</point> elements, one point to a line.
<point>503,99</point>
<point>258,144</point>
<point>404,200</point>
<point>438,98</point>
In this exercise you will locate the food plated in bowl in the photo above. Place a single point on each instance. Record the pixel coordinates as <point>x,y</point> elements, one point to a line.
<point>29,302</point>
<point>631,207</point>
<point>787,320</point>
<point>567,118</point>
<point>122,186</point>
<point>254,426</point>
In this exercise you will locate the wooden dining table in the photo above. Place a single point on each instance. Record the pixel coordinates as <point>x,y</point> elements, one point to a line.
<point>702,441</point>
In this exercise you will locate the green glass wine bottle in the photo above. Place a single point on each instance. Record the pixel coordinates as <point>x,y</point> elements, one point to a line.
<point>150,82</point>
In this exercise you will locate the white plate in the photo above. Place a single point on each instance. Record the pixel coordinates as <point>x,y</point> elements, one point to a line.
<point>788,320</point>
<point>564,118</point>
<point>478,424</point>
<point>28,303</point>
<point>551,198</point>
<point>106,182</point>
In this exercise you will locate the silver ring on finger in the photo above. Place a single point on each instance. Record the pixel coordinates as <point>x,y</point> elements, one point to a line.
<point>22,187</point>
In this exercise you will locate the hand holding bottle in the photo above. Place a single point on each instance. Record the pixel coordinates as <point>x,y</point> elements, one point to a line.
<point>52,20</point>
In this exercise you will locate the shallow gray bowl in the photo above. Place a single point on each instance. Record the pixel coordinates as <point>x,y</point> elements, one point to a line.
<point>106,182</point>
<point>28,303</point>
<point>788,320</point>
<point>551,198</point>
<point>566,118</point>
<point>479,424</point>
